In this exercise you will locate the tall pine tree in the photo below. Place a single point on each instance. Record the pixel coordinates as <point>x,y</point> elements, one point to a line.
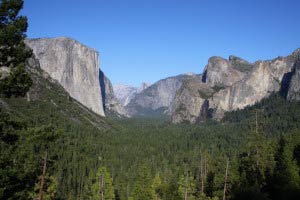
<point>13,54</point>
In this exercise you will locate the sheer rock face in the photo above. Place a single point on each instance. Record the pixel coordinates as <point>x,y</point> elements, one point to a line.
<point>110,102</point>
<point>220,72</point>
<point>235,84</point>
<point>294,85</point>
<point>157,97</point>
<point>190,104</point>
<point>74,66</point>
<point>265,78</point>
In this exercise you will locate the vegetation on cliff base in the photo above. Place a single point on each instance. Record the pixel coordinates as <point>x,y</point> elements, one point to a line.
<point>52,147</point>
<point>148,159</point>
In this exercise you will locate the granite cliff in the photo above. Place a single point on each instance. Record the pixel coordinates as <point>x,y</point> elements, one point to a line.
<point>76,68</point>
<point>157,98</point>
<point>225,84</point>
<point>234,84</point>
<point>189,100</point>
<point>293,92</point>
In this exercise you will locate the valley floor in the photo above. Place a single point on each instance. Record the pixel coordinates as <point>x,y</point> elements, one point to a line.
<point>88,156</point>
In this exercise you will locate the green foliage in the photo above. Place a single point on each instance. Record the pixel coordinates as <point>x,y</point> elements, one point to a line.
<point>284,183</point>
<point>158,187</point>
<point>276,116</point>
<point>255,161</point>
<point>210,186</point>
<point>20,154</point>
<point>143,189</point>
<point>241,65</point>
<point>13,51</point>
<point>12,34</point>
<point>204,94</point>
<point>102,187</point>
<point>186,187</point>
<point>50,189</point>
<point>79,141</point>
<point>17,83</point>
<point>217,88</point>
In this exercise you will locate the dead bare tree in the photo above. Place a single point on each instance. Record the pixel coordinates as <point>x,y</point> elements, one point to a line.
<point>225,181</point>
<point>41,191</point>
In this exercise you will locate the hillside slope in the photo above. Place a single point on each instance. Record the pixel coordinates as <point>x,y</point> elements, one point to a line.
<point>48,102</point>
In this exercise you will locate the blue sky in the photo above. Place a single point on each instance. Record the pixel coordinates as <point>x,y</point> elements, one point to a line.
<point>147,40</point>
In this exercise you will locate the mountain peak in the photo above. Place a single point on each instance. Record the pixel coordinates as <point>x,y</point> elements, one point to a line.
<point>233,58</point>
<point>296,52</point>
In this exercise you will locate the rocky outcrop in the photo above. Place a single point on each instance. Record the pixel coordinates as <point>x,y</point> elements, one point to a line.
<point>157,98</point>
<point>190,101</point>
<point>110,102</point>
<point>225,85</point>
<point>235,84</point>
<point>220,72</point>
<point>4,72</point>
<point>74,66</point>
<point>265,78</point>
<point>293,93</point>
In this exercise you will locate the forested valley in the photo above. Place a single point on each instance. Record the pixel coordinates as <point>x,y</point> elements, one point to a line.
<point>250,154</point>
<point>53,147</point>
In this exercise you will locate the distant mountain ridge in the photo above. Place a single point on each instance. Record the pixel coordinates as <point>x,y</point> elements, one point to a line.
<point>157,98</point>
<point>124,93</point>
<point>225,85</point>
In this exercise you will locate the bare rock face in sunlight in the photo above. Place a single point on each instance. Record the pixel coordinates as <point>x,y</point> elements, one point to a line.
<point>74,65</point>
<point>190,104</point>
<point>235,84</point>
<point>220,72</point>
<point>157,98</point>
<point>225,85</point>
<point>265,79</point>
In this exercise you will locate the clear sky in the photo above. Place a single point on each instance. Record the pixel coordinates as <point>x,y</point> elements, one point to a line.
<point>147,40</point>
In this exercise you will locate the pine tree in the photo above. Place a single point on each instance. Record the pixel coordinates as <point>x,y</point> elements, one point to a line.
<point>209,189</point>
<point>285,180</point>
<point>157,185</point>
<point>13,53</point>
<point>50,188</point>
<point>102,187</point>
<point>186,187</point>
<point>257,158</point>
<point>143,189</point>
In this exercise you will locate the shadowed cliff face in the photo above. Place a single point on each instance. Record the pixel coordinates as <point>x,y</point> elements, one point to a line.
<point>74,66</point>
<point>293,93</point>
<point>235,84</point>
<point>110,102</point>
